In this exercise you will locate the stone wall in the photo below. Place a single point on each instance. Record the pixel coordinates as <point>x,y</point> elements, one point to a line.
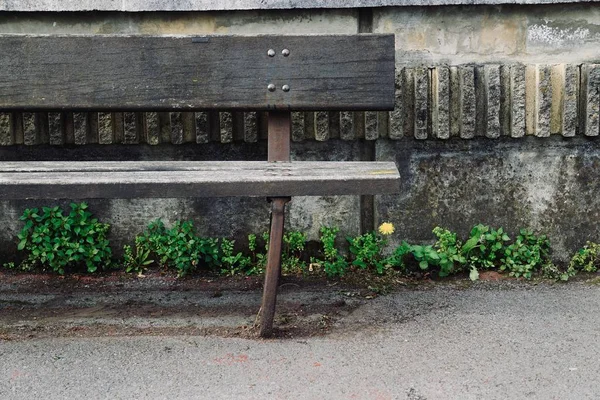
<point>497,109</point>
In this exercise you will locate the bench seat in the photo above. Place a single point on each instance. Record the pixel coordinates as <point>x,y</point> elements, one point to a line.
<point>166,179</point>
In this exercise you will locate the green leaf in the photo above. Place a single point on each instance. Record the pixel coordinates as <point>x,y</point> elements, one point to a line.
<point>424,265</point>
<point>22,244</point>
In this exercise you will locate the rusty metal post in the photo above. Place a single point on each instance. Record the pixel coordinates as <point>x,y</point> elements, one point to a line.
<point>280,127</point>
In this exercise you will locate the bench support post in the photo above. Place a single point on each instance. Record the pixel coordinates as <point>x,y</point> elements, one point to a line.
<point>279,126</point>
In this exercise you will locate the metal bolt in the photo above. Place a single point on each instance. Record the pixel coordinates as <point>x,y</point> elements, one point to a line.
<point>285,52</point>
<point>286,88</point>
<point>271,53</point>
<point>271,87</point>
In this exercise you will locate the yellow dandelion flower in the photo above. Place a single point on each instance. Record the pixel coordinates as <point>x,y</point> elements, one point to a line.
<point>387,228</point>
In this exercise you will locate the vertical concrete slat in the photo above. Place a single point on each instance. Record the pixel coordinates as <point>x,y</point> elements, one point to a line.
<point>152,128</point>
<point>226,127</point>
<point>298,126</point>
<point>29,128</point>
<point>591,99</point>
<point>6,132</point>
<point>105,129</point>
<point>544,101</point>
<point>176,127</point>
<point>396,120</point>
<point>421,102</point>
<point>570,99</point>
<point>439,104</point>
<point>80,127</point>
<point>130,132</point>
<point>250,129</point>
<point>321,126</point>
<point>493,96</point>
<point>531,99</point>
<point>56,129</point>
<point>454,109</point>
<point>468,101</point>
<point>408,102</point>
<point>505,100</point>
<point>557,107</point>
<point>371,125</point>
<point>347,131</point>
<point>202,127</point>
<point>517,100</point>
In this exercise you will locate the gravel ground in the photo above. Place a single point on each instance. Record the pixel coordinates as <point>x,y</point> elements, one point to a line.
<point>490,340</point>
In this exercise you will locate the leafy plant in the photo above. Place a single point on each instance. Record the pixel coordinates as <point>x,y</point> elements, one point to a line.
<point>180,247</point>
<point>485,247</point>
<point>294,243</point>
<point>527,254</point>
<point>333,264</point>
<point>586,259</point>
<point>232,264</point>
<point>136,261</point>
<point>450,252</point>
<point>366,250</point>
<point>56,241</point>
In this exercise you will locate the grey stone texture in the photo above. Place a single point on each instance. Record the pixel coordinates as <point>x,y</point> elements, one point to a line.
<point>220,5</point>
<point>550,188</point>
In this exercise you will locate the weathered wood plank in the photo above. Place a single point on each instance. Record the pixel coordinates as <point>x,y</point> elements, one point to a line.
<point>130,179</point>
<point>337,72</point>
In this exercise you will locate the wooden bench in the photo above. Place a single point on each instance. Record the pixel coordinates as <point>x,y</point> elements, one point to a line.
<point>278,74</point>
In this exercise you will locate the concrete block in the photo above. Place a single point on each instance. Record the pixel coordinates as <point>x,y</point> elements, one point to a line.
<point>591,99</point>
<point>130,132</point>
<point>347,126</point>
<point>440,103</point>
<point>202,123</point>
<point>321,119</point>
<point>251,126</point>
<point>570,100</point>
<point>544,100</point>
<point>152,128</point>
<point>80,127</point>
<point>517,100</point>
<point>455,101</point>
<point>6,134</point>
<point>29,128</point>
<point>468,99</point>
<point>396,127</point>
<point>421,110</point>
<point>371,125</point>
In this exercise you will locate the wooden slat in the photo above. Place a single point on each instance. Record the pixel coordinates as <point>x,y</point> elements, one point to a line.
<point>165,179</point>
<point>338,72</point>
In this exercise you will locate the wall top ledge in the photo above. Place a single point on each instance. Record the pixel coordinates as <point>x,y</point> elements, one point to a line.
<point>221,5</point>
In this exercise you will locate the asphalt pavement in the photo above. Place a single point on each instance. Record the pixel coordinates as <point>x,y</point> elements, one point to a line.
<point>487,341</point>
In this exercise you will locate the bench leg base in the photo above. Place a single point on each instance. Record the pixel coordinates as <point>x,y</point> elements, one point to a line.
<point>267,310</point>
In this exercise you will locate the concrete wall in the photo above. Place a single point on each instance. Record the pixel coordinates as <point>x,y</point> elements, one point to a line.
<point>497,110</point>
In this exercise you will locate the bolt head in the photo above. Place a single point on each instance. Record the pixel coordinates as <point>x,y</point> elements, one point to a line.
<point>285,52</point>
<point>271,53</point>
<point>271,87</point>
<point>286,88</point>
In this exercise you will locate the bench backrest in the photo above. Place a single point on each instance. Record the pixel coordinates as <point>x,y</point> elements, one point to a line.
<point>338,72</point>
